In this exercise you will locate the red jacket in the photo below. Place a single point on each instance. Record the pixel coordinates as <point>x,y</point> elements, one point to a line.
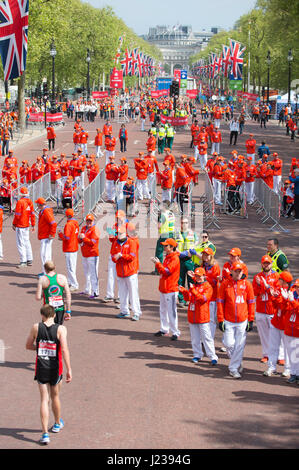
<point>264,302</point>
<point>24,213</point>
<point>69,236</point>
<point>46,223</point>
<point>169,273</point>
<point>127,264</point>
<point>90,243</point>
<point>291,327</point>
<point>199,297</point>
<point>235,302</point>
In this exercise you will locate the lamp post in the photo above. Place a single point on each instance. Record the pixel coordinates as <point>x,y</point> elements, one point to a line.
<point>290,60</point>
<point>88,74</point>
<point>268,60</point>
<point>53,53</point>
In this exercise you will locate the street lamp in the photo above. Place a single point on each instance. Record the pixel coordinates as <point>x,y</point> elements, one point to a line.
<point>88,74</point>
<point>268,60</point>
<point>290,60</point>
<point>53,53</point>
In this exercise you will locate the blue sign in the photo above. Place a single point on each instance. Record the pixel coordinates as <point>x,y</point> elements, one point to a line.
<point>184,74</point>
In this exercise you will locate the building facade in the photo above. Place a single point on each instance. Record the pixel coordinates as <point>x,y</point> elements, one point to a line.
<point>178,44</point>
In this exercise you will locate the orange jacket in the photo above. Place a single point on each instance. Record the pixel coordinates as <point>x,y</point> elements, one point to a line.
<point>171,160</point>
<point>235,302</point>
<point>107,129</point>
<point>37,173</point>
<point>291,327</point>
<point>110,144</point>
<point>152,163</point>
<point>264,302</point>
<point>281,307</point>
<point>199,297</point>
<point>166,178</point>
<point>169,273</point>
<point>112,172</point>
<point>90,243</point>
<point>46,224</point>
<point>75,168</point>
<point>277,167</point>
<point>24,213</point>
<point>151,143</point>
<point>250,173</point>
<point>25,174</point>
<point>1,219</point>
<point>181,178</point>
<point>123,172</point>
<point>212,273</point>
<point>69,236</point>
<point>141,167</point>
<point>98,140</point>
<point>64,167</point>
<point>51,133</point>
<point>250,146</point>
<point>127,264</point>
<point>93,171</point>
<point>83,137</point>
<point>55,171</point>
<point>76,137</point>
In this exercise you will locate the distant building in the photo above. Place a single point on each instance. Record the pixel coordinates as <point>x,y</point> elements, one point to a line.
<point>178,43</point>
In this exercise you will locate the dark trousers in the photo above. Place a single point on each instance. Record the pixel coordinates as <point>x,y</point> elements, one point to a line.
<point>51,143</point>
<point>123,144</point>
<point>233,135</point>
<point>5,147</point>
<point>296,204</point>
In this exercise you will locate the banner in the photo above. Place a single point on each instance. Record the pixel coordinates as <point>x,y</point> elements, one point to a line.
<point>174,121</point>
<point>159,93</point>
<point>116,79</point>
<point>192,94</point>
<point>40,117</point>
<point>97,95</point>
<point>248,96</point>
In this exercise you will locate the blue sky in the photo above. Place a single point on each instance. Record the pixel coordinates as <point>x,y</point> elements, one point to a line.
<point>200,14</point>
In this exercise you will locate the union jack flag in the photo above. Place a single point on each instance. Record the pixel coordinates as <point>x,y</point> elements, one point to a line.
<point>140,64</point>
<point>236,53</point>
<point>13,37</point>
<point>126,63</point>
<point>134,61</point>
<point>226,61</point>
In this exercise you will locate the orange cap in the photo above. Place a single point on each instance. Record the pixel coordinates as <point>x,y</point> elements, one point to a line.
<point>235,252</point>
<point>89,217</point>
<point>199,272</point>
<point>24,190</point>
<point>286,276</point>
<point>208,251</point>
<point>237,266</point>
<point>120,213</point>
<point>69,213</point>
<point>169,241</point>
<point>40,201</point>
<point>266,259</point>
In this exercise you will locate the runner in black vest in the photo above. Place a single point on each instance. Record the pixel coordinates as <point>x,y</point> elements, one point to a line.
<point>49,341</point>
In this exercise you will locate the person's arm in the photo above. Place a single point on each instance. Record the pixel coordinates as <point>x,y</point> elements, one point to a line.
<point>39,290</point>
<point>282,262</point>
<point>62,337</point>
<point>68,297</point>
<point>30,343</point>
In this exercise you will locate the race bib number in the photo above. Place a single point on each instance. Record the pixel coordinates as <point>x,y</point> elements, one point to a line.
<point>293,318</point>
<point>192,307</point>
<point>240,299</point>
<point>265,297</point>
<point>47,349</point>
<point>56,301</point>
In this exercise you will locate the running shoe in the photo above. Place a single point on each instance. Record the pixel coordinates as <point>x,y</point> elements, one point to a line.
<point>93,296</point>
<point>292,379</point>
<point>44,439</point>
<point>174,338</point>
<point>22,265</point>
<point>123,315</point>
<point>214,362</point>
<point>108,299</point>
<point>264,359</point>
<point>58,427</point>
<point>235,374</point>
<point>135,318</point>
<point>160,333</point>
<point>29,263</point>
<point>196,360</point>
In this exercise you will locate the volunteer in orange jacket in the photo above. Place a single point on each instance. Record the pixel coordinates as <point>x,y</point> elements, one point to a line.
<point>168,286</point>
<point>46,230</point>
<point>291,333</point>
<point>112,174</point>
<point>264,305</point>
<point>98,142</point>
<point>212,273</point>
<point>89,241</point>
<point>152,169</point>
<point>250,147</point>
<point>124,253</point>
<point>51,136</point>
<point>166,182</point>
<point>141,167</point>
<point>83,141</point>
<point>23,218</point>
<point>70,246</point>
<point>123,170</point>
<point>234,256</point>
<point>277,172</point>
<point>1,226</point>
<point>25,172</point>
<point>199,296</point>
<point>280,299</point>
<point>235,313</point>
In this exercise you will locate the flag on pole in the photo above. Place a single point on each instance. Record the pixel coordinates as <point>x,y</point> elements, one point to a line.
<point>226,60</point>
<point>237,60</point>
<point>13,37</point>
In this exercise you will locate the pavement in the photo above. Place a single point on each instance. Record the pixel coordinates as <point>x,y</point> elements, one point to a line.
<point>131,390</point>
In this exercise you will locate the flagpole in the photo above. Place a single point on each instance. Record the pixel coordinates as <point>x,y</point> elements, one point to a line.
<point>248,71</point>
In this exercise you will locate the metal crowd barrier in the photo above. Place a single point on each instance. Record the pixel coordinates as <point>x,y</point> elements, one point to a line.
<point>40,188</point>
<point>268,204</point>
<point>235,202</point>
<point>208,200</point>
<point>93,193</point>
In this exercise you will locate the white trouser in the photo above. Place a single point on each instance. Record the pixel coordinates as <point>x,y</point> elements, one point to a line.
<point>110,190</point>
<point>90,267</point>
<point>213,317</point>
<point>217,190</point>
<point>142,189</point>
<point>120,190</point>
<point>252,155</point>
<point>71,267</point>
<point>142,124</point>
<point>111,279</point>
<point>56,189</point>
<point>217,123</point>
<point>292,348</point>
<point>46,250</point>
<point>84,149</point>
<point>167,195</point>
<point>151,181</point>
<point>196,153</point>
<point>276,183</point>
<point>99,152</point>
<point>108,153</point>
<point>215,147</point>
<point>249,188</point>
<point>203,159</point>
<point>1,246</point>
<point>76,147</point>
<point>201,333</point>
<point>276,337</point>
<point>23,244</point>
<point>129,294</point>
<point>168,313</point>
<point>234,339</point>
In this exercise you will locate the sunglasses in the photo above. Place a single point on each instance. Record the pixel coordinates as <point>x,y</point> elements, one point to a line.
<point>205,236</point>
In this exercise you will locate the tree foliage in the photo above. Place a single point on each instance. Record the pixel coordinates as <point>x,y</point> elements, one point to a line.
<point>273,25</point>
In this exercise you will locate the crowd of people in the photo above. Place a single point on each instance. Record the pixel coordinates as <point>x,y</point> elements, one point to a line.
<point>189,274</point>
